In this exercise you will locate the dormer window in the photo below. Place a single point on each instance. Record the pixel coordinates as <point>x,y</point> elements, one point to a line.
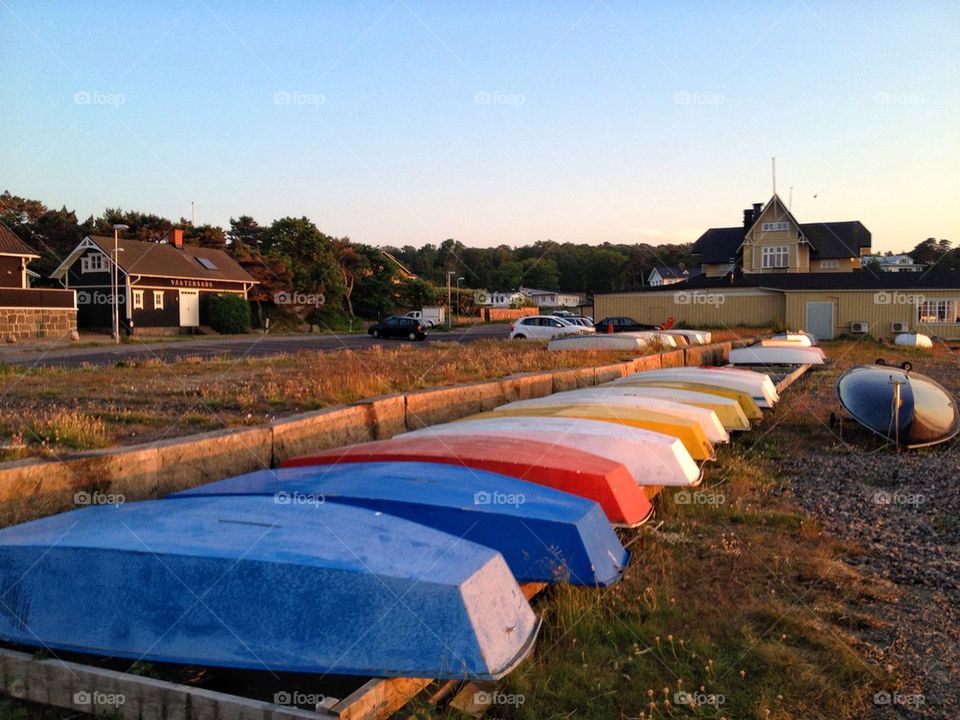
<point>775,257</point>
<point>95,262</point>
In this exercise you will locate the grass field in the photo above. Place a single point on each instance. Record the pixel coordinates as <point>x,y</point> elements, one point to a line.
<point>53,411</point>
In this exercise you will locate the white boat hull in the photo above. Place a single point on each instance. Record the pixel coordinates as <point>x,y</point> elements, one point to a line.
<point>760,387</point>
<point>600,341</point>
<point>766,355</point>
<point>651,458</point>
<point>913,340</point>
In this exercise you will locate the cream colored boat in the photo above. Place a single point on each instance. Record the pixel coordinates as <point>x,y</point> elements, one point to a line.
<point>687,431</point>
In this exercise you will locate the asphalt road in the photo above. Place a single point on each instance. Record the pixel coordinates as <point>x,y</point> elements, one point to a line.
<point>246,346</point>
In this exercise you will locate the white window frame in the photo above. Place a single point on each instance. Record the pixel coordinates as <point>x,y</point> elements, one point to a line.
<point>158,299</point>
<point>770,254</point>
<point>138,299</point>
<point>775,226</point>
<point>830,264</point>
<point>87,264</point>
<point>939,312</point>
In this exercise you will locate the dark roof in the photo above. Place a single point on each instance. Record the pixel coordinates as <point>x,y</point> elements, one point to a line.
<point>719,245</point>
<point>837,239</point>
<point>10,244</point>
<point>828,240</point>
<point>678,272</point>
<point>856,280</point>
<point>164,260</point>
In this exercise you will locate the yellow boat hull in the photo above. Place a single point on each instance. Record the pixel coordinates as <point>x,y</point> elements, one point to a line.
<point>747,403</point>
<point>688,432</point>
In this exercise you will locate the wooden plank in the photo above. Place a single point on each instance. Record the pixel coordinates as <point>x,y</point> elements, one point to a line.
<point>378,698</point>
<point>91,690</point>
<point>791,378</point>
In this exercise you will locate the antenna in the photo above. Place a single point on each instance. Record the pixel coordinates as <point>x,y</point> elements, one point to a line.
<point>790,201</point>
<point>773,171</point>
<point>193,213</point>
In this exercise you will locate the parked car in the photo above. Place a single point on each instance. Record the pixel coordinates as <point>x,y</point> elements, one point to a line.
<point>543,327</point>
<point>583,322</point>
<point>621,324</point>
<point>395,326</point>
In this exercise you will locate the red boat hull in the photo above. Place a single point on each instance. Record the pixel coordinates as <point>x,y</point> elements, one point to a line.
<point>574,471</point>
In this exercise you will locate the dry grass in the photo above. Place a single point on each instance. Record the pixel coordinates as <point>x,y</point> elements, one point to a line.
<point>59,410</point>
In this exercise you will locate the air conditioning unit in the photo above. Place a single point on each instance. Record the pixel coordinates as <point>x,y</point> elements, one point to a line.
<point>859,327</point>
<point>900,327</point>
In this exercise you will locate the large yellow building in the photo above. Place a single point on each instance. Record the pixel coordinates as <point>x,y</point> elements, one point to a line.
<point>805,276</point>
<point>772,241</point>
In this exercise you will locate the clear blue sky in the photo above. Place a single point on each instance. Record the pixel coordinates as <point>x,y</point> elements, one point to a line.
<point>410,122</point>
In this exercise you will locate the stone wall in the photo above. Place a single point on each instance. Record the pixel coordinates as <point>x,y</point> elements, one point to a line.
<point>22,323</point>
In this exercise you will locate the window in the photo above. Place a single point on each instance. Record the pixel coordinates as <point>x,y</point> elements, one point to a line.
<point>940,311</point>
<point>96,262</point>
<point>829,264</point>
<point>774,226</point>
<point>775,257</point>
<point>208,264</point>
<point>158,299</point>
<point>138,299</point>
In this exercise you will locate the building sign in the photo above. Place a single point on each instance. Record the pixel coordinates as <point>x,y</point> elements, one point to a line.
<point>179,282</point>
<point>188,283</point>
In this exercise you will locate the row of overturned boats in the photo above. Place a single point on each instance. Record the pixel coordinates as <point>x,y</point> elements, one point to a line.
<point>395,558</point>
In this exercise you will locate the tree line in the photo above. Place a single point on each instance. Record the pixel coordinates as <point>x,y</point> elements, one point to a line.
<point>361,281</point>
<point>356,280</point>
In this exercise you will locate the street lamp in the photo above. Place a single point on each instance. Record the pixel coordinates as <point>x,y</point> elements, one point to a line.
<point>450,273</point>
<point>115,279</point>
<point>459,280</point>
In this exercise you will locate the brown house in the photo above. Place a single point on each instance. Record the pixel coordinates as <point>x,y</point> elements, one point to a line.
<point>27,312</point>
<point>163,287</point>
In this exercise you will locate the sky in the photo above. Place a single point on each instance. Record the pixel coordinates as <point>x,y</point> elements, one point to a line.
<point>406,122</point>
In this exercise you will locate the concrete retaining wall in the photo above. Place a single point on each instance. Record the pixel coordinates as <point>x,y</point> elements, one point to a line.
<point>37,487</point>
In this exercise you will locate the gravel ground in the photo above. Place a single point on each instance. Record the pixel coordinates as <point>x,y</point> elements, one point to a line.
<point>902,511</point>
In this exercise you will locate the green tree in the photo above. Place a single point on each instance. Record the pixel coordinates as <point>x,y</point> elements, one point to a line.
<point>418,293</point>
<point>311,255</point>
<point>376,288</point>
<point>245,230</point>
<point>540,273</point>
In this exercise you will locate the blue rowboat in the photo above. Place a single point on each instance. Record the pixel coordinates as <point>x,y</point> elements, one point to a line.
<point>244,582</point>
<point>545,535</point>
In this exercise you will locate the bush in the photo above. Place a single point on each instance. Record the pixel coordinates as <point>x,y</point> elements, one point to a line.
<point>229,314</point>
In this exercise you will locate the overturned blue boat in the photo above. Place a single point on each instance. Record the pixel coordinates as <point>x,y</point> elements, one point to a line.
<point>545,535</point>
<point>906,407</point>
<point>245,582</point>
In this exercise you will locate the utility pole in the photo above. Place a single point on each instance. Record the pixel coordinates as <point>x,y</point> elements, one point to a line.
<point>450,274</point>
<point>115,280</point>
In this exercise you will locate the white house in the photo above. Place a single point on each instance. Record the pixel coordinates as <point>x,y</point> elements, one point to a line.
<point>895,263</point>
<point>670,274</point>
<point>552,298</point>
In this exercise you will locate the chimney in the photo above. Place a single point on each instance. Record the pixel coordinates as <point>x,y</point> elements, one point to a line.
<point>757,207</point>
<point>747,218</point>
<point>175,238</point>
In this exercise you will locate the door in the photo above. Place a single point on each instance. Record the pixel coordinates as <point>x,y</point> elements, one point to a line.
<point>189,308</point>
<point>820,320</point>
